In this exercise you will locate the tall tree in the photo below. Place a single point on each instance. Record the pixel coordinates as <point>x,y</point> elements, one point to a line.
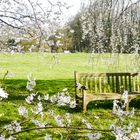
<point>112,25</point>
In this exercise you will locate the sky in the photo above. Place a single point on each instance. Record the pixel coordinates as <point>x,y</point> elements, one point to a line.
<point>74,5</point>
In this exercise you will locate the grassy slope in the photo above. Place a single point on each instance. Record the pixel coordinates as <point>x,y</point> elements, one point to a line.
<point>52,78</point>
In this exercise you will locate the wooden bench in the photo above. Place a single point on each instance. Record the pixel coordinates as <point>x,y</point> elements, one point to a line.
<point>105,86</point>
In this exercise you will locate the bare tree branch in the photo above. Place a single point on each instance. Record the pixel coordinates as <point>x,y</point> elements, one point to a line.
<point>66,128</point>
<point>17,27</point>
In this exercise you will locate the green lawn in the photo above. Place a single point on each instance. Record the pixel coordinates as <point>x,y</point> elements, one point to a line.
<point>44,67</point>
<point>52,75</point>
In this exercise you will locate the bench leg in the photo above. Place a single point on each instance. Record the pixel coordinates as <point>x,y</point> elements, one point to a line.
<point>85,103</point>
<point>84,106</point>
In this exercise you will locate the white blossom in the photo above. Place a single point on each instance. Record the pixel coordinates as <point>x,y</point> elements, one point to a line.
<point>37,123</point>
<point>68,119</point>
<point>136,135</point>
<point>53,98</point>
<point>23,111</point>
<point>17,126</point>
<point>30,98</point>
<point>38,109</point>
<point>9,128</point>
<point>31,83</point>
<point>46,97</point>
<point>2,138</point>
<point>47,137</point>
<point>39,97</point>
<point>58,120</point>
<point>88,125</point>
<point>73,104</point>
<point>3,94</point>
<point>63,100</point>
<point>94,136</point>
<point>125,97</point>
<point>13,127</point>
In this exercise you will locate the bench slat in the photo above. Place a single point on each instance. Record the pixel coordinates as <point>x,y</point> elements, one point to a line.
<point>106,86</point>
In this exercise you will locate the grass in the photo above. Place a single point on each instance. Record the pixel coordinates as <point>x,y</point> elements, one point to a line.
<point>52,75</point>
<point>45,67</point>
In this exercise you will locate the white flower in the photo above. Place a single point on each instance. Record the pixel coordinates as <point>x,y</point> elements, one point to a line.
<point>68,119</point>
<point>30,83</point>
<point>38,109</point>
<point>13,127</point>
<point>87,124</point>
<point>136,135</point>
<point>39,97</point>
<point>9,128</point>
<point>53,98</point>
<point>2,138</point>
<point>37,123</point>
<point>47,137</point>
<point>17,126</point>
<point>94,136</point>
<point>63,100</point>
<point>125,97</point>
<point>73,104</point>
<point>116,108</point>
<point>30,98</point>
<point>59,120</point>
<point>3,94</point>
<point>78,85</point>
<point>46,97</point>
<point>23,111</point>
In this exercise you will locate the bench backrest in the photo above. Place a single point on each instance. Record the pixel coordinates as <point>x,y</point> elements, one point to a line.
<point>109,82</point>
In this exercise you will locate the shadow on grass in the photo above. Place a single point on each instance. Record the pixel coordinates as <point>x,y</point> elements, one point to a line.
<point>17,91</point>
<point>4,121</point>
<point>17,87</point>
<point>135,103</point>
<point>100,105</point>
<point>108,104</point>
